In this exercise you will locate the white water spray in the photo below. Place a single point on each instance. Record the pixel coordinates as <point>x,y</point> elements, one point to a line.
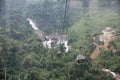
<point>32,24</point>
<point>66,46</point>
<point>47,43</point>
<point>109,71</point>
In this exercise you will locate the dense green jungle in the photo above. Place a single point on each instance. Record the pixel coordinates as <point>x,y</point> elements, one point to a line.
<point>24,57</point>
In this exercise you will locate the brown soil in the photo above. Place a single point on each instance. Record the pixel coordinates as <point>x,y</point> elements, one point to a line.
<point>96,51</point>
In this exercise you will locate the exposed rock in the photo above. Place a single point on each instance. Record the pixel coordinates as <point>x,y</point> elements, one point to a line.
<point>102,41</point>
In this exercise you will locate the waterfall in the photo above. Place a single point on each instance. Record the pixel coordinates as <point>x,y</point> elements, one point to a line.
<point>33,25</point>
<point>48,41</point>
<point>109,71</point>
<point>66,46</point>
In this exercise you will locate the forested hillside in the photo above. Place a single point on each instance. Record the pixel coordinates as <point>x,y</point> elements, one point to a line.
<point>22,52</point>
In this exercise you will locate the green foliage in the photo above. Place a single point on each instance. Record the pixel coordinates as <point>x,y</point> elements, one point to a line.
<point>23,57</point>
<point>91,24</point>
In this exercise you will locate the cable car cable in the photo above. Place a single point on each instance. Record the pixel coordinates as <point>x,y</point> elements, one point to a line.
<point>64,19</point>
<point>62,28</point>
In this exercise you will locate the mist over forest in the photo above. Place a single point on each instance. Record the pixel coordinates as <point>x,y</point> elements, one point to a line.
<point>59,39</point>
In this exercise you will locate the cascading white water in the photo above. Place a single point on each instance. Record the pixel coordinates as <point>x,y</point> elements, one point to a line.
<point>66,46</point>
<point>39,32</point>
<point>116,76</point>
<point>47,43</point>
<point>33,25</point>
<point>109,71</point>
